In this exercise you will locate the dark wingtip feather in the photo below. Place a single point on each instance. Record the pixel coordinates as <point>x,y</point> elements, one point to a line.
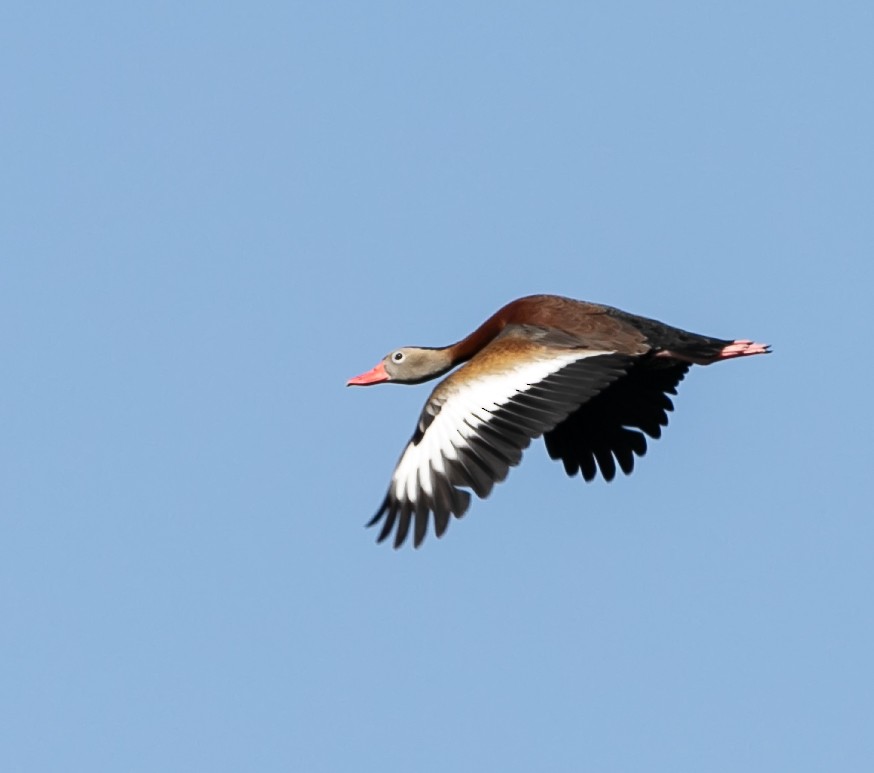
<point>405,518</point>
<point>387,527</point>
<point>441,522</point>
<point>399,517</point>
<point>460,502</point>
<point>606,463</point>
<point>420,528</point>
<point>379,513</point>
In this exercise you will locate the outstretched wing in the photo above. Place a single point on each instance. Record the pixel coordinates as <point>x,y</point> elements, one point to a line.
<point>478,421</point>
<point>611,427</point>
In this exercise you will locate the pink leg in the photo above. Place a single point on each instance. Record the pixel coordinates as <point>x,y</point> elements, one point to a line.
<point>742,348</point>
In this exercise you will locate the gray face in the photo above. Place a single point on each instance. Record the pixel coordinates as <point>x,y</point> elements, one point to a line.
<point>411,364</point>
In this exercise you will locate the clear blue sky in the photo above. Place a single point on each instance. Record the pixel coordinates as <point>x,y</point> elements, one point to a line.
<point>213,215</point>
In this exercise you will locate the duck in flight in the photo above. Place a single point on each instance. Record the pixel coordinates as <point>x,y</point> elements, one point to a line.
<point>591,379</point>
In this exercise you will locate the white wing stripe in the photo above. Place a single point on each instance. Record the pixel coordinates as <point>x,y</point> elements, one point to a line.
<point>460,416</point>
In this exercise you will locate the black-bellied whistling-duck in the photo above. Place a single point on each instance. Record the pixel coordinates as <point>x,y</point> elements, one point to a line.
<point>593,380</point>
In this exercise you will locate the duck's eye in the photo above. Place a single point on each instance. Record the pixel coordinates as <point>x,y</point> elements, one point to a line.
<point>398,356</point>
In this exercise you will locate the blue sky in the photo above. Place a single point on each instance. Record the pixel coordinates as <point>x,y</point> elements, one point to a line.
<point>213,215</point>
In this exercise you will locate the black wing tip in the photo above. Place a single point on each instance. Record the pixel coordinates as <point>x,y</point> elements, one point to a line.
<point>398,520</point>
<point>609,462</point>
<point>379,513</point>
<point>607,433</point>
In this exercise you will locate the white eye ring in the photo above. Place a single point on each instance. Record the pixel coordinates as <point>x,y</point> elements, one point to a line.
<point>398,356</point>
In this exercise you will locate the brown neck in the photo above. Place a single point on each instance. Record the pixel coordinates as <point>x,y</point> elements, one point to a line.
<point>467,347</point>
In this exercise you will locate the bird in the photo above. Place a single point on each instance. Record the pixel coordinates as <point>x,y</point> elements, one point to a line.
<point>594,381</point>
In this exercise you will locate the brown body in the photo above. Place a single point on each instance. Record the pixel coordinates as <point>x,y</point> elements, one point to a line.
<point>589,323</point>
